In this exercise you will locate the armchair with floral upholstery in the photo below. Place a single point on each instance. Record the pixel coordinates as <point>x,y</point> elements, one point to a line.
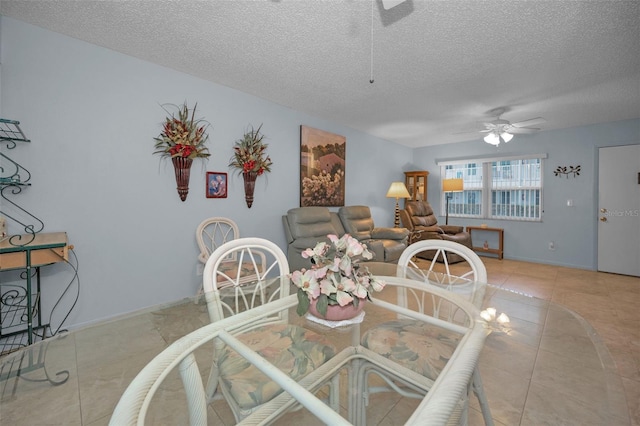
<point>419,219</point>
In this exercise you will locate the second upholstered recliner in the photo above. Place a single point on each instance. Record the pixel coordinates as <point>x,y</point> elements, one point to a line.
<point>304,227</point>
<point>419,219</point>
<point>387,244</point>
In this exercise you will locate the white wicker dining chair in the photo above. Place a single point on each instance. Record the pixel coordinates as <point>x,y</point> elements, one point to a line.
<point>467,279</point>
<point>212,233</point>
<point>241,384</point>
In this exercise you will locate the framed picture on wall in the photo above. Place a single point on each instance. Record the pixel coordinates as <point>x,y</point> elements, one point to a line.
<point>322,168</point>
<point>216,185</point>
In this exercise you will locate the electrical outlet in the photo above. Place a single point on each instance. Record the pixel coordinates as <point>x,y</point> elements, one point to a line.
<point>552,245</point>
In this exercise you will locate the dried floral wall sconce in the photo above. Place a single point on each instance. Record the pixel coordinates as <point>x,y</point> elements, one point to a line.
<point>251,160</point>
<point>182,139</point>
<point>567,170</point>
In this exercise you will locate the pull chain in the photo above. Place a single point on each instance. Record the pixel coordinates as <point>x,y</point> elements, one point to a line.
<point>371,75</point>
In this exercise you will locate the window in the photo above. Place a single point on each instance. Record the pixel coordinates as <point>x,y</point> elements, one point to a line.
<point>496,188</point>
<point>469,202</point>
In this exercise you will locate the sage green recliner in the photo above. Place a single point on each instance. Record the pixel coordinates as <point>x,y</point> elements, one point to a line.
<point>387,244</point>
<point>304,227</point>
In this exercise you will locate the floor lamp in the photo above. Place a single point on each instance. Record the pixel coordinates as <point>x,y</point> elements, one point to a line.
<point>397,190</point>
<point>449,186</point>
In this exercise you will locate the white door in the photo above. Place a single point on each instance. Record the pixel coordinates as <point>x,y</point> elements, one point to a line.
<point>619,210</point>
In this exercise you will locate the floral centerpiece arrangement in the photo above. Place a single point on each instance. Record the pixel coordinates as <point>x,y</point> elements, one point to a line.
<point>251,159</point>
<point>183,135</point>
<point>336,276</point>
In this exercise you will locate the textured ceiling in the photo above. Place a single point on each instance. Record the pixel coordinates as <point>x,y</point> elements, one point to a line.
<point>439,67</point>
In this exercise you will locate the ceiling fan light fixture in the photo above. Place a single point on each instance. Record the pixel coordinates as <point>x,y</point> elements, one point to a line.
<point>500,130</point>
<point>492,139</point>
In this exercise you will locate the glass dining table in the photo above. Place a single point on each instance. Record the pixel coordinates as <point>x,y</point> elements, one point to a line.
<point>79,377</point>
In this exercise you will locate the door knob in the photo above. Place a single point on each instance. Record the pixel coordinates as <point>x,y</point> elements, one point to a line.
<point>603,210</point>
<point>603,219</point>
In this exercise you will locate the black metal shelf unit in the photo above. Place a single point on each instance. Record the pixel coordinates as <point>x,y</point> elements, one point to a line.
<point>19,305</point>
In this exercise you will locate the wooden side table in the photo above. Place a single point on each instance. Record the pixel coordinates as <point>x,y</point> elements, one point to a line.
<point>482,249</point>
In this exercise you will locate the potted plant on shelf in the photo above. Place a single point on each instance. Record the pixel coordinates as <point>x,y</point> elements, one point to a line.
<point>337,285</point>
<point>182,139</point>
<point>251,160</point>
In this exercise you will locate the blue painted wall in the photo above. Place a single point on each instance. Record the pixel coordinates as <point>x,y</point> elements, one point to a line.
<point>573,229</point>
<point>92,113</point>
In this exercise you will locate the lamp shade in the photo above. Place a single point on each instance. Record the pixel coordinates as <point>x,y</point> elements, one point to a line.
<point>398,190</point>
<point>452,185</point>
<point>506,136</point>
<point>492,139</point>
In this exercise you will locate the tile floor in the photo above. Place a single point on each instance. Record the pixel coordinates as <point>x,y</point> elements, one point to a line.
<point>550,384</point>
<point>608,302</point>
<point>525,391</point>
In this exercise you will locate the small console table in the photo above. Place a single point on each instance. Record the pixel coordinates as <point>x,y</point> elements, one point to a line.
<point>485,248</point>
<point>27,252</point>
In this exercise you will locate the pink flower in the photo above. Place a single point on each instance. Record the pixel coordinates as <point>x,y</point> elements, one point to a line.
<point>331,286</point>
<point>345,265</point>
<point>360,291</point>
<point>354,248</point>
<point>306,280</point>
<point>335,278</point>
<point>318,250</point>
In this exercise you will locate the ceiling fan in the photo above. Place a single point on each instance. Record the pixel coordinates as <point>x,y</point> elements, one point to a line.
<point>500,130</point>
<point>388,4</point>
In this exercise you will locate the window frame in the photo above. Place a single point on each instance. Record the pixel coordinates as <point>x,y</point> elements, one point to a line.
<point>485,164</point>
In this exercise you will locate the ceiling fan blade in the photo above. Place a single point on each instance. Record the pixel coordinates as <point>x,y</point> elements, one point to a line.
<point>530,122</point>
<point>522,130</point>
<point>465,132</point>
<point>388,4</point>
<point>492,126</point>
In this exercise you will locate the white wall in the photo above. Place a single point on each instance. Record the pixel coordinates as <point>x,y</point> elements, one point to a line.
<point>91,115</point>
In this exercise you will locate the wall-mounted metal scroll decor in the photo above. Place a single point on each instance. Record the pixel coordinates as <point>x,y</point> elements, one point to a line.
<point>13,178</point>
<point>566,171</point>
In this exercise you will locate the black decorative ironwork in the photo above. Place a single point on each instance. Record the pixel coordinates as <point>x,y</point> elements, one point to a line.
<point>11,132</point>
<point>20,314</point>
<point>30,229</point>
<point>32,359</point>
<point>566,171</point>
<point>17,175</point>
<point>14,315</point>
<point>14,177</point>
